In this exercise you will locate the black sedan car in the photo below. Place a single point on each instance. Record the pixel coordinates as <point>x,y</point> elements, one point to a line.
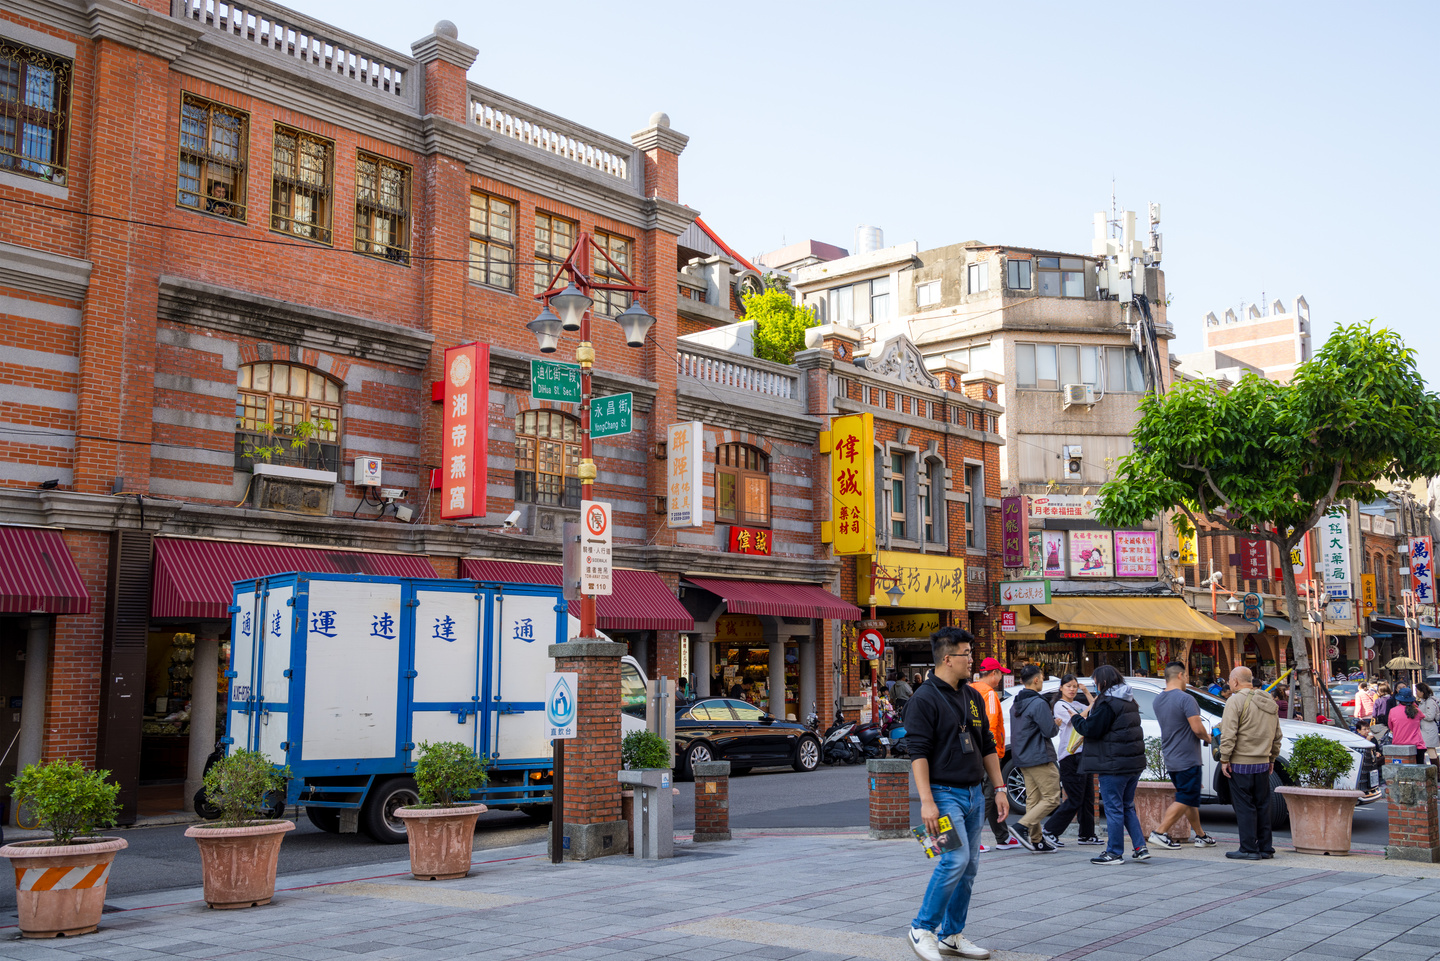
<point>728,729</point>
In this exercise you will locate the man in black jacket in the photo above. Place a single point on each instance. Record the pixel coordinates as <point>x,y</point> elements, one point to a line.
<point>951,750</point>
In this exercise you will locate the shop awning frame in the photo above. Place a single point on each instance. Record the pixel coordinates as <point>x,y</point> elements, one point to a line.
<point>1143,616</point>
<point>1392,626</point>
<point>777,598</point>
<point>640,600</point>
<point>1034,631</point>
<point>38,575</point>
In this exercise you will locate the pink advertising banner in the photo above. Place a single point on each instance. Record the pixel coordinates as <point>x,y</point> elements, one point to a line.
<point>1135,554</point>
<point>1091,554</point>
<point>1053,553</point>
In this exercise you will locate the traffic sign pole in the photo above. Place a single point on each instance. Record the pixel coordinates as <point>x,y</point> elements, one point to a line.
<point>557,804</point>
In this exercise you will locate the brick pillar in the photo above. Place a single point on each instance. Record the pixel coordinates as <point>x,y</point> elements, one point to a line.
<point>1414,829</point>
<point>591,817</point>
<point>889,798</point>
<point>712,800</point>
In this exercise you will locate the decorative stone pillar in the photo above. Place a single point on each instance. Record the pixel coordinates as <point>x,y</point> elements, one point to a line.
<point>590,820</point>
<point>776,682</point>
<point>1414,828</point>
<point>807,695</point>
<point>702,663</point>
<point>32,702</point>
<point>889,798</point>
<point>202,707</point>
<point>712,800</point>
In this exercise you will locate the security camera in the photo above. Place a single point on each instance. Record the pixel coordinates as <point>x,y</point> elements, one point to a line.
<point>392,494</point>
<point>512,520</point>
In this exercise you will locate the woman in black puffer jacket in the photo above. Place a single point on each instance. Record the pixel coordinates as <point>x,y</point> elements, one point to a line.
<point>1115,750</point>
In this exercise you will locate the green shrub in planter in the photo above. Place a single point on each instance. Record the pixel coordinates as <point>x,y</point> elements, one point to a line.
<point>448,773</point>
<point>644,749</point>
<point>1154,760</point>
<point>66,800</point>
<point>1317,761</point>
<point>242,785</point>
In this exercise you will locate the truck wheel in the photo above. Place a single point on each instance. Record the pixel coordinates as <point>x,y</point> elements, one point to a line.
<point>326,819</point>
<point>377,817</point>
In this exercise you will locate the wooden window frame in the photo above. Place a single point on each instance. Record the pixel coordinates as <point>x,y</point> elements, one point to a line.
<point>293,181</point>
<point>204,162</point>
<point>548,255</point>
<point>22,120</point>
<point>747,468</point>
<point>487,240</point>
<point>610,303</point>
<point>899,519</point>
<point>974,506</point>
<point>536,449</point>
<point>373,206</point>
<point>256,406</point>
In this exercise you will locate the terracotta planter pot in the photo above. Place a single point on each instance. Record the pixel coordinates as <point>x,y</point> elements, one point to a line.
<point>60,888</point>
<point>1320,819</point>
<point>1152,800</point>
<point>238,864</point>
<point>441,839</point>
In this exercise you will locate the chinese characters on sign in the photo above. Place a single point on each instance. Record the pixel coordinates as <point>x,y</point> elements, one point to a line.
<point>852,484</point>
<point>595,547</point>
<point>1190,547</point>
<point>551,380</point>
<point>1074,506</point>
<point>561,695</point>
<point>1037,554</point>
<point>463,447</point>
<point>685,474</point>
<point>444,629</point>
<point>1090,554</point>
<point>1422,570</point>
<point>1024,592</point>
<point>1012,526</point>
<point>928,580</point>
<point>1054,546</point>
<point>749,540</point>
<point>1367,594</point>
<point>323,623</point>
<point>1135,553</point>
<point>1335,552</point>
<point>1254,558</point>
<point>610,416</point>
<point>1300,559</point>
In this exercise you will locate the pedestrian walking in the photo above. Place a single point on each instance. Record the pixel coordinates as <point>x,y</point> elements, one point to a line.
<point>1429,713</point>
<point>952,751</point>
<point>1032,742</point>
<point>1249,745</point>
<point>992,674</point>
<point>1404,723</point>
<point>1364,701</point>
<point>1079,788</point>
<point>901,693</point>
<point>1115,750</point>
<point>1384,701</point>
<point>1182,731</point>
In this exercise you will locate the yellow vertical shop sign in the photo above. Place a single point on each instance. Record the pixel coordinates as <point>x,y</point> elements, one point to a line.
<point>1190,548</point>
<point>852,483</point>
<point>1367,594</point>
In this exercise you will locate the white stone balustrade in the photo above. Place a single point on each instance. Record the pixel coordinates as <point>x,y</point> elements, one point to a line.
<point>740,373</point>
<point>490,112</point>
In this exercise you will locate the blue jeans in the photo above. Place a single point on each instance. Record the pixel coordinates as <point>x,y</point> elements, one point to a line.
<point>947,899</point>
<point>1117,791</point>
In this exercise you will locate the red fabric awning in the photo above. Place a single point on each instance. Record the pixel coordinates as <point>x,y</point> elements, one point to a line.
<point>196,578</point>
<point>778,599</point>
<point>640,602</point>
<point>37,574</point>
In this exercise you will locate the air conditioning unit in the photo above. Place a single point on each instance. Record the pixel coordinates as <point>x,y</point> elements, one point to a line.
<point>1074,461</point>
<point>1077,394</point>
<point>367,471</point>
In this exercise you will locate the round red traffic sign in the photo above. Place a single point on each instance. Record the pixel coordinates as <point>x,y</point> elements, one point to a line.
<point>596,520</point>
<point>872,643</point>
<point>1369,653</point>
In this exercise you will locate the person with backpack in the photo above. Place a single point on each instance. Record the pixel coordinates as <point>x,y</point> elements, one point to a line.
<point>1079,788</point>
<point>1115,750</point>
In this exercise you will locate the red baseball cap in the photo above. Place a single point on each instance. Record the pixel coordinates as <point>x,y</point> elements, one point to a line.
<point>990,664</point>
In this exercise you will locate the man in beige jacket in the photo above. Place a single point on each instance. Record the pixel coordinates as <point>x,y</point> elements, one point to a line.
<point>1249,745</point>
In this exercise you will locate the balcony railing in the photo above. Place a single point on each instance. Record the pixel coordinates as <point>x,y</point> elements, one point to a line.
<point>529,125</point>
<point>738,372</point>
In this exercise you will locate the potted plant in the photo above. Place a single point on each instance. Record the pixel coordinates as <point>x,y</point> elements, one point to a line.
<point>60,883</point>
<point>1320,816</point>
<point>239,853</point>
<point>441,828</point>
<point>646,758</point>
<point>1154,793</point>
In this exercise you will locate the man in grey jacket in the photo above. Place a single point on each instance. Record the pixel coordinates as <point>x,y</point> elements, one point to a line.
<point>1033,745</point>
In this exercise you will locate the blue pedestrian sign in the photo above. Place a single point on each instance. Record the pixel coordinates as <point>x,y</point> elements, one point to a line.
<point>561,695</point>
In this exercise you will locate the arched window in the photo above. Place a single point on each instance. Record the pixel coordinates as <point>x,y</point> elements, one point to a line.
<point>742,485</point>
<point>273,401</point>
<point>547,458</point>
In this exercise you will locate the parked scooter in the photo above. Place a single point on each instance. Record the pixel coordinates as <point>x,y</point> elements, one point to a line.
<point>872,740</point>
<point>893,728</point>
<point>839,746</point>
<point>275,806</point>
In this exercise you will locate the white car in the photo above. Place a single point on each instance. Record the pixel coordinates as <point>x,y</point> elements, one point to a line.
<point>1364,774</point>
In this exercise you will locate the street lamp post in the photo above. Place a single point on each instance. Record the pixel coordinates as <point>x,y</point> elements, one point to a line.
<point>574,306</point>
<point>895,592</point>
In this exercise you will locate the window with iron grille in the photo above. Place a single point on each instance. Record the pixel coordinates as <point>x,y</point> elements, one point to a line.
<point>554,239</point>
<point>303,184</point>
<point>492,241</point>
<point>272,400</point>
<point>610,302</point>
<point>382,208</point>
<point>547,458</point>
<point>742,485</point>
<point>34,112</point>
<point>214,146</point>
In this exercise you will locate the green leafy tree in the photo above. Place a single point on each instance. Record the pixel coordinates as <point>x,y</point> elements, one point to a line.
<point>780,324</point>
<point>1269,460</point>
<point>66,800</point>
<point>448,773</point>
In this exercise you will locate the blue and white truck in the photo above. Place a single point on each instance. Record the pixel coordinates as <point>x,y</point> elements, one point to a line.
<point>340,677</point>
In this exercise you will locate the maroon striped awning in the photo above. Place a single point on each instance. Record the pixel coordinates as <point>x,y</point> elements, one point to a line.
<point>778,599</point>
<point>640,602</point>
<point>195,579</point>
<point>37,574</point>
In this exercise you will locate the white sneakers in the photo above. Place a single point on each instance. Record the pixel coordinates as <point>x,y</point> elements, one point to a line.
<point>930,948</point>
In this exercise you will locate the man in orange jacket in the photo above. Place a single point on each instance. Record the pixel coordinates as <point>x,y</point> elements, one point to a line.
<point>988,685</point>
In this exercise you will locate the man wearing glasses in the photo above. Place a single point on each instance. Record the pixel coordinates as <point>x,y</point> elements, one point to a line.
<point>952,750</point>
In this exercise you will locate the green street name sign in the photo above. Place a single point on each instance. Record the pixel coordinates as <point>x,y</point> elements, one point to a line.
<point>611,415</point>
<point>550,380</point>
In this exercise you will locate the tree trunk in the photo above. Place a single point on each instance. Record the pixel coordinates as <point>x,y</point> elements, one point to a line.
<point>1298,637</point>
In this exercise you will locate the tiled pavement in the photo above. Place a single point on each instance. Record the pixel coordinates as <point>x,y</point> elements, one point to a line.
<point>803,897</point>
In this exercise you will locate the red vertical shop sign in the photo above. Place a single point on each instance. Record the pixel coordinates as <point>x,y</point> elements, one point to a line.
<point>1254,558</point>
<point>464,441</point>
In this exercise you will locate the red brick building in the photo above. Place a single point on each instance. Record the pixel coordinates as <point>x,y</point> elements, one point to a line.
<point>168,339</point>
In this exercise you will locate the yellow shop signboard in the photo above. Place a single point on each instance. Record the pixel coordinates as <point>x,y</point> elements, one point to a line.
<point>928,580</point>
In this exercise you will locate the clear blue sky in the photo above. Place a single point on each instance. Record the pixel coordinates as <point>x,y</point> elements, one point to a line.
<point>1292,146</point>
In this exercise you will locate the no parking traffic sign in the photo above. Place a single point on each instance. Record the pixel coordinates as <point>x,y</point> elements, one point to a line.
<point>872,644</point>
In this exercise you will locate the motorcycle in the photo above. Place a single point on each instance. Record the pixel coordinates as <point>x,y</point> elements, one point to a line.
<point>893,727</point>
<point>873,742</point>
<point>840,745</point>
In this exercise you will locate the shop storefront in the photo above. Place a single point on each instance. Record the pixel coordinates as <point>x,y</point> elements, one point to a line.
<point>741,665</point>
<point>907,640</point>
<point>1135,635</point>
